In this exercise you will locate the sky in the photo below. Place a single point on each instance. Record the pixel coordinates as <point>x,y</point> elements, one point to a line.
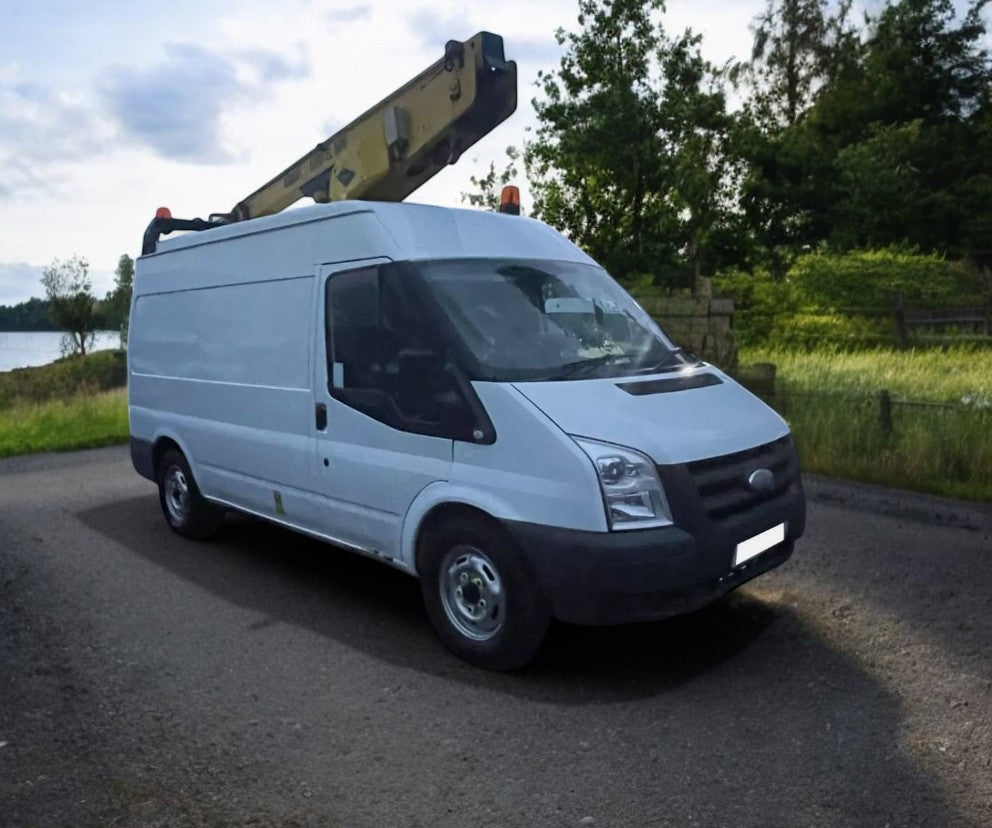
<point>111,109</point>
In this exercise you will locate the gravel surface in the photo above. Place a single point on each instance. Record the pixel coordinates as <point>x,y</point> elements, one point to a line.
<point>266,679</point>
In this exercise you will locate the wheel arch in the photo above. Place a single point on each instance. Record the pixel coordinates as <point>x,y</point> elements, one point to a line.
<point>439,503</point>
<point>162,443</point>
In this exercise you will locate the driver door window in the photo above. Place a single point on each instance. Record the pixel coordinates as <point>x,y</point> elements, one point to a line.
<point>380,361</point>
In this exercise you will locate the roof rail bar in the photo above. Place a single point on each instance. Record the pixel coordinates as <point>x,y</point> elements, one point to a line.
<point>163,225</point>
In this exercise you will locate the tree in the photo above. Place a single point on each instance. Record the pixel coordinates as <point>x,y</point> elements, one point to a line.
<point>880,189</point>
<point>798,47</point>
<point>597,156</point>
<point>119,299</point>
<point>910,119</point>
<point>489,187</point>
<point>626,159</point>
<point>872,139</point>
<point>800,50</point>
<point>69,290</point>
<point>696,131</point>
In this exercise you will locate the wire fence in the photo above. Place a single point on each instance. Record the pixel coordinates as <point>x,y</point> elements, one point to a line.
<point>878,436</point>
<point>885,403</point>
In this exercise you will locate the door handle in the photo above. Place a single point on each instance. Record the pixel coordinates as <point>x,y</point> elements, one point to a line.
<point>321,417</point>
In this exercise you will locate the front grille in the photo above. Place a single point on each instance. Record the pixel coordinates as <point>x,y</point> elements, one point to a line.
<point>722,482</point>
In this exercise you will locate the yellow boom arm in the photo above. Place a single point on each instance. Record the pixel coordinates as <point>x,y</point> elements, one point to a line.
<point>402,141</point>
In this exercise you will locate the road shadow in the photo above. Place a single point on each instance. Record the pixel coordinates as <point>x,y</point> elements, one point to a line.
<point>293,579</point>
<point>744,694</point>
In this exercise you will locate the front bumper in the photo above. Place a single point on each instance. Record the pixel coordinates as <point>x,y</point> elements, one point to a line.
<point>601,578</point>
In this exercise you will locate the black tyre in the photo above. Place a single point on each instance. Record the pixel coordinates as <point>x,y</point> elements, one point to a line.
<point>185,509</point>
<point>480,595</point>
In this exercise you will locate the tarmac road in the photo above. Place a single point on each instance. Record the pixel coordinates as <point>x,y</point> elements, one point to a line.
<point>266,679</point>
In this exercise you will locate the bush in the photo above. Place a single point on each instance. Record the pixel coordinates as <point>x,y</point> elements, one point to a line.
<point>871,279</point>
<point>759,299</point>
<point>817,301</point>
<point>64,378</point>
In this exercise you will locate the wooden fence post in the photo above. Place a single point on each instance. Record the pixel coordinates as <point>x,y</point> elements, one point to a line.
<point>899,316</point>
<point>885,413</point>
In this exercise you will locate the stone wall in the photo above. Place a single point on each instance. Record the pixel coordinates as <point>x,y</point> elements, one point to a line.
<point>697,322</point>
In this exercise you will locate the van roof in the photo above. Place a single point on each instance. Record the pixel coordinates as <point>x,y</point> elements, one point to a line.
<point>421,231</point>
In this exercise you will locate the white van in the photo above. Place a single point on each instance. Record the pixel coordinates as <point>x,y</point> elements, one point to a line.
<point>465,396</point>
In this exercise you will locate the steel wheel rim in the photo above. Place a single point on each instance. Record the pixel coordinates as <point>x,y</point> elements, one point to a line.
<point>472,593</point>
<point>177,494</point>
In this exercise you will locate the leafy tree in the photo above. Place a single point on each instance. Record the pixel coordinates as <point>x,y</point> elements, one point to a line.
<point>921,63</point>
<point>798,47</point>
<point>489,187</point>
<point>119,299</point>
<point>888,148</point>
<point>880,188</point>
<point>912,118</point>
<point>597,161</point>
<point>696,131</point>
<point>627,156</point>
<point>69,290</point>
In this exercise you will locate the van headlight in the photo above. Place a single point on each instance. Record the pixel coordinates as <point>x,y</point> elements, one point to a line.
<point>632,491</point>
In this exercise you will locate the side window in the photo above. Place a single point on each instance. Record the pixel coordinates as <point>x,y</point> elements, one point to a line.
<point>383,361</point>
<point>353,329</point>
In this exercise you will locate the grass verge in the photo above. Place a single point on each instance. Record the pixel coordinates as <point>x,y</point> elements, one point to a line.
<point>932,450</point>
<point>83,421</point>
<point>831,402</point>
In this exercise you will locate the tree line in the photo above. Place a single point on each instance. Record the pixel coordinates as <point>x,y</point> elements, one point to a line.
<point>833,135</point>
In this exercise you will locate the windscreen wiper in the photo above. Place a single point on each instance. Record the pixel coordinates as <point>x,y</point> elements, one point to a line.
<point>674,359</point>
<point>586,367</point>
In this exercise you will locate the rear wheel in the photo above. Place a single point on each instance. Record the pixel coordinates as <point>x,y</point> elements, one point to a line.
<point>480,595</point>
<point>185,509</point>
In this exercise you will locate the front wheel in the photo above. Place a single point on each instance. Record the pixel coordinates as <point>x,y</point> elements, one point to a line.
<point>185,509</point>
<point>480,595</point>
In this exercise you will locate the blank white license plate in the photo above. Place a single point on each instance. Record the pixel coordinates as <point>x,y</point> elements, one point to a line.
<point>758,544</point>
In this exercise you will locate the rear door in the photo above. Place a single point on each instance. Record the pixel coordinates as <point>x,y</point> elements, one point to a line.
<point>370,462</point>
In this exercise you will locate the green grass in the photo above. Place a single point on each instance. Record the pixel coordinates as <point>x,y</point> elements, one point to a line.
<point>929,450</point>
<point>73,403</point>
<point>64,425</point>
<point>831,403</point>
<point>956,375</point>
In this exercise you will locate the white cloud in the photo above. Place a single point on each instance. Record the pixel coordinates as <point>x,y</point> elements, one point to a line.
<point>40,129</point>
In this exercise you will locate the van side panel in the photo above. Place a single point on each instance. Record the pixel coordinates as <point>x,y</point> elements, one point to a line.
<point>226,369</point>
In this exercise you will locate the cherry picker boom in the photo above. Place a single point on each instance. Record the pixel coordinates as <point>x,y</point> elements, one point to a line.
<point>389,151</point>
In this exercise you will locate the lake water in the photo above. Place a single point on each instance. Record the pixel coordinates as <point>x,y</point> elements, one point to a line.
<point>19,349</point>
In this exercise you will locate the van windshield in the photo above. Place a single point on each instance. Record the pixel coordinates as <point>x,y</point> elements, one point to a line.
<point>519,320</point>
